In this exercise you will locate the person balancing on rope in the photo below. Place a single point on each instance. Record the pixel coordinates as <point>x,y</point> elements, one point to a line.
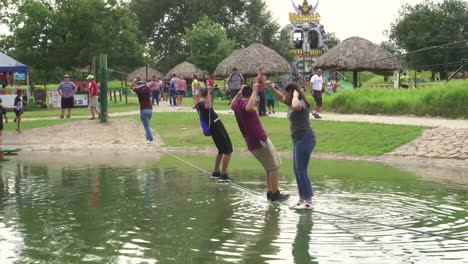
<point>212,126</point>
<point>257,140</point>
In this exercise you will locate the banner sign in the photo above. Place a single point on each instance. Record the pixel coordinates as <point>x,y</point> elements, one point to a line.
<point>81,100</point>
<point>20,76</point>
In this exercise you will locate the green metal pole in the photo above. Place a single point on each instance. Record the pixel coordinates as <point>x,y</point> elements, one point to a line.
<point>103,88</point>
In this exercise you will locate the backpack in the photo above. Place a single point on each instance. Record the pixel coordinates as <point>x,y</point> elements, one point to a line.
<point>240,75</point>
<point>204,125</point>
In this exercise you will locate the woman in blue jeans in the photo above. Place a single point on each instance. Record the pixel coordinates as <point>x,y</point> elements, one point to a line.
<point>303,138</point>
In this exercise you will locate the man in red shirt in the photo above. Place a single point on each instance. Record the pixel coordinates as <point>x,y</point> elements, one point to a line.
<point>93,90</point>
<point>261,81</point>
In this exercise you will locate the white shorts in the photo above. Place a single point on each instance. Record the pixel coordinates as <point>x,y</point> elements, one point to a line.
<point>93,102</point>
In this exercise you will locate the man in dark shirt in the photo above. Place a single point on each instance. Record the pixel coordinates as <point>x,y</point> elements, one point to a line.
<point>146,108</point>
<point>218,133</point>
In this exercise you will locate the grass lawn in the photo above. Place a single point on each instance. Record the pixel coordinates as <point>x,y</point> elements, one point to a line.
<point>11,126</point>
<point>183,130</point>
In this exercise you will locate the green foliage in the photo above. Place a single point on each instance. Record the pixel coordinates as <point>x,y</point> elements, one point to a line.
<point>67,33</point>
<point>164,24</point>
<point>448,100</point>
<point>334,137</point>
<point>333,40</point>
<point>432,24</point>
<point>209,44</point>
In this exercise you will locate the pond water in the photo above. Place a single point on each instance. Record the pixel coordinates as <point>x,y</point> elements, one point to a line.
<point>165,211</point>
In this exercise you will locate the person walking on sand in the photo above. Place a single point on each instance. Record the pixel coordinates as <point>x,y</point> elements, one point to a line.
<point>195,89</point>
<point>257,139</point>
<point>2,114</point>
<point>155,87</point>
<point>303,138</point>
<point>261,81</point>
<point>146,108</point>
<point>67,90</point>
<point>235,82</point>
<point>218,133</point>
<point>18,104</point>
<point>173,92</point>
<point>317,89</point>
<point>181,89</point>
<point>93,97</point>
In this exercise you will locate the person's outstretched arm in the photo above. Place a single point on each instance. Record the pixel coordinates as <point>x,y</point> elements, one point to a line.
<point>277,93</point>
<point>237,97</point>
<point>251,104</point>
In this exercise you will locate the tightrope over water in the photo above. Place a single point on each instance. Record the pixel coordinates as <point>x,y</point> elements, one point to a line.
<point>394,227</point>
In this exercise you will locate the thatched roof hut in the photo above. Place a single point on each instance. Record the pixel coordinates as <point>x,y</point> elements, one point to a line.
<point>358,54</point>
<point>143,73</point>
<point>249,60</point>
<point>187,69</point>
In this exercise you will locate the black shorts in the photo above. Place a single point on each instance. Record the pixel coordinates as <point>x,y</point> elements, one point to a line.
<point>180,93</point>
<point>270,103</point>
<point>221,138</point>
<point>18,113</point>
<point>318,98</point>
<point>68,102</point>
<point>233,93</point>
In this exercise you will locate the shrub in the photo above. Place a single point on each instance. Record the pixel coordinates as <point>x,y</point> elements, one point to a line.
<point>446,100</point>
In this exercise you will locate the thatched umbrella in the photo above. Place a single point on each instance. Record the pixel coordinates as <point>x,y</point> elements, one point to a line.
<point>145,73</point>
<point>187,69</point>
<point>249,60</point>
<point>358,54</point>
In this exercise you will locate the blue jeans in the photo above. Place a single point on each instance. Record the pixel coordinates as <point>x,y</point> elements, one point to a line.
<point>172,97</point>
<point>145,116</point>
<point>303,148</point>
<point>155,96</point>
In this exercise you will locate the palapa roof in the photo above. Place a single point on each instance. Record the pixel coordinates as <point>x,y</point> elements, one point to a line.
<point>142,73</point>
<point>187,69</point>
<point>249,60</point>
<point>358,54</point>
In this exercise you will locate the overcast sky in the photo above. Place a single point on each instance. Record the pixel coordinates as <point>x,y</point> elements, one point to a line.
<point>347,18</point>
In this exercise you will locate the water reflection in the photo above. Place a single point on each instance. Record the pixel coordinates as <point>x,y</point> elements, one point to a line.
<point>164,212</point>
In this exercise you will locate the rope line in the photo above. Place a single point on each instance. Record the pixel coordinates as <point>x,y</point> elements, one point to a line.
<point>325,213</point>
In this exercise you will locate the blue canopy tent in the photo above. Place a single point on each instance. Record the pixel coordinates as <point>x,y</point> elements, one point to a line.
<point>8,64</point>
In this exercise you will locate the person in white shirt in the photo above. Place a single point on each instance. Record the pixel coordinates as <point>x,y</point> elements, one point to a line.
<point>317,88</point>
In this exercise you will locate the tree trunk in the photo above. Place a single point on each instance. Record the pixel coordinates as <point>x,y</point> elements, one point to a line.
<point>355,79</point>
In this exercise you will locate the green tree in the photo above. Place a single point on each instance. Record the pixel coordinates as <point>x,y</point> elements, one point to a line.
<point>432,24</point>
<point>164,24</point>
<point>333,40</point>
<point>208,44</point>
<point>67,33</point>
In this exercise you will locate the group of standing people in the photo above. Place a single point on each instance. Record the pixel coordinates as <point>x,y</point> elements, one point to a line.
<point>244,101</point>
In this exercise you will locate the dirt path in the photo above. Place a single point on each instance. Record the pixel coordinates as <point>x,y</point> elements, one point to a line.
<point>116,135</point>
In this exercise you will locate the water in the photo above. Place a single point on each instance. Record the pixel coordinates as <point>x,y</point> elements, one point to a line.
<point>164,211</point>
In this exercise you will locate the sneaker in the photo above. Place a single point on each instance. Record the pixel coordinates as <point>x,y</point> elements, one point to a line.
<point>215,175</point>
<point>68,116</point>
<point>149,142</point>
<point>293,206</point>
<point>278,196</point>
<point>61,117</point>
<point>304,206</point>
<point>268,196</point>
<point>317,116</point>
<point>225,178</point>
